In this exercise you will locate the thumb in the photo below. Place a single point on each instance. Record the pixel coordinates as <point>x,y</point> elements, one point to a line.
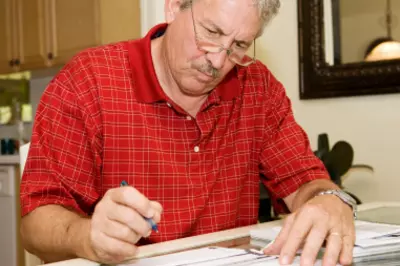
<point>274,247</point>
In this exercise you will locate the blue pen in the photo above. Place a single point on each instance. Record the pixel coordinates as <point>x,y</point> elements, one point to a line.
<point>149,220</point>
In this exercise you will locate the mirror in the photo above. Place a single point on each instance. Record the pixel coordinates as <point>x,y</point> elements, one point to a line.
<point>343,47</point>
<point>358,27</point>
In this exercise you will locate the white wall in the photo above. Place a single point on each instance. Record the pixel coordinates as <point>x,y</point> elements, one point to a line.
<point>371,124</point>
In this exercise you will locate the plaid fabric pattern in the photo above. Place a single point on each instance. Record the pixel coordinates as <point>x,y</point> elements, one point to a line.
<point>104,118</point>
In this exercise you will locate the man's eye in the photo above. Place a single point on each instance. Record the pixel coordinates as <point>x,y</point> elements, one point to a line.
<point>211,31</point>
<point>241,46</point>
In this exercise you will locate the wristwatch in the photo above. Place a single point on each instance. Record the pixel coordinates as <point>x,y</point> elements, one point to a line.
<point>346,198</point>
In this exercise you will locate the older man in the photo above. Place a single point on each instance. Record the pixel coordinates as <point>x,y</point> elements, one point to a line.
<point>190,120</point>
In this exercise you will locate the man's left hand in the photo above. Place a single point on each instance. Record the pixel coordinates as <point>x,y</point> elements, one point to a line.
<point>323,219</point>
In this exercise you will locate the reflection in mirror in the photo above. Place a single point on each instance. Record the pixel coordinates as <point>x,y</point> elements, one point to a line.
<point>361,30</point>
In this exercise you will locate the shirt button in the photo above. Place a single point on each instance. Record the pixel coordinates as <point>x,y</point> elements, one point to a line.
<point>168,104</point>
<point>196,149</point>
<point>189,117</point>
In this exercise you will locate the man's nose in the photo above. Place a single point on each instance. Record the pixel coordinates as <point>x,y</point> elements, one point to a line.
<point>217,59</point>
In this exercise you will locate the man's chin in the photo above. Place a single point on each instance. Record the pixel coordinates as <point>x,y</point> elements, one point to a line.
<point>196,88</point>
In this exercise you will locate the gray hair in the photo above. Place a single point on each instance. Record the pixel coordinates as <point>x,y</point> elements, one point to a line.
<point>268,9</point>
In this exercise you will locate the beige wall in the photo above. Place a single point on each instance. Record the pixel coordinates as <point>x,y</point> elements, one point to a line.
<point>362,21</point>
<point>371,124</point>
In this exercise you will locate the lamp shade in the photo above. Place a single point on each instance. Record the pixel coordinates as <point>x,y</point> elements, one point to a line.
<point>385,51</point>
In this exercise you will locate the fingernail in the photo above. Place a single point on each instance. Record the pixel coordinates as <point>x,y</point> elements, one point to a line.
<point>150,213</point>
<point>284,260</point>
<point>149,234</point>
<point>267,248</point>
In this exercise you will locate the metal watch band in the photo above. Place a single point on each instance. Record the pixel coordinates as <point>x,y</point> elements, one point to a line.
<point>346,198</point>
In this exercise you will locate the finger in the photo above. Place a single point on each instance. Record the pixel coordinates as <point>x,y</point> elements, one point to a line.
<point>333,248</point>
<point>156,206</point>
<point>348,240</point>
<point>157,217</point>
<point>158,211</point>
<point>313,244</point>
<point>112,249</point>
<point>275,247</point>
<point>129,217</point>
<point>298,232</point>
<point>132,198</point>
<point>120,232</point>
<point>346,255</point>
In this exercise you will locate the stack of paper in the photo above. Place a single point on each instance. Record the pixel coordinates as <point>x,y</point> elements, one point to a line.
<point>214,256</point>
<point>372,239</point>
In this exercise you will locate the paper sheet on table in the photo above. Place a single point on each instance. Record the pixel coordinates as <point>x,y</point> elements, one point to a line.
<point>210,256</point>
<point>370,230</point>
<point>214,256</point>
<point>372,239</point>
<point>364,231</point>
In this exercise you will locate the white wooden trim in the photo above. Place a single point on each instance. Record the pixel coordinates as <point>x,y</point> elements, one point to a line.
<point>152,13</point>
<point>145,9</point>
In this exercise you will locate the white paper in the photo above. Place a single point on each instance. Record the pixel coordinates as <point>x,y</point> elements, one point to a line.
<point>364,230</point>
<point>210,256</point>
<point>371,238</point>
<point>369,230</point>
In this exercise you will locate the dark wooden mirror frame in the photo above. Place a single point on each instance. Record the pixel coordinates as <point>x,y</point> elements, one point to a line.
<point>321,80</point>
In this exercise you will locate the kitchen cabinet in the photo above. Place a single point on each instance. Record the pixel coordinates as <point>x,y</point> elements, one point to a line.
<point>74,26</point>
<point>5,35</point>
<point>28,45</point>
<point>43,33</point>
<point>120,20</point>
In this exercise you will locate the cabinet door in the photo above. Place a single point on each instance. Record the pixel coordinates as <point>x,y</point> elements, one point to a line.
<point>31,34</point>
<point>75,26</point>
<point>120,20</point>
<point>6,36</point>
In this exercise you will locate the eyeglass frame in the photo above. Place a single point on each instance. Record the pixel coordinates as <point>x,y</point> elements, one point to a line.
<point>229,51</point>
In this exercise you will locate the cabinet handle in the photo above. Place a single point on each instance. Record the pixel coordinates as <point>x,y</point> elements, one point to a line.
<point>11,63</point>
<point>17,62</point>
<point>50,56</point>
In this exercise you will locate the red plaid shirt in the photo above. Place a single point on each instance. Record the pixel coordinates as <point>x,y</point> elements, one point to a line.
<point>104,118</point>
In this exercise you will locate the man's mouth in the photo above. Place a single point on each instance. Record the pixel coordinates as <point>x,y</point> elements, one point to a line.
<point>205,76</point>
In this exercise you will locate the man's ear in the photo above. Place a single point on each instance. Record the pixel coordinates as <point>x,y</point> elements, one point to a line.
<point>171,9</point>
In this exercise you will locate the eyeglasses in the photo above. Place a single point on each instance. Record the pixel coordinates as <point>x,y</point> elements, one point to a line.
<point>240,56</point>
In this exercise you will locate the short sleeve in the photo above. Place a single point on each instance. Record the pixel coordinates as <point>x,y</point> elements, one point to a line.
<point>287,161</point>
<point>63,164</point>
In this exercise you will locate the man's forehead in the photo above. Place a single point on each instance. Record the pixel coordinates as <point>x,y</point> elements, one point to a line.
<point>229,15</point>
<point>224,4</point>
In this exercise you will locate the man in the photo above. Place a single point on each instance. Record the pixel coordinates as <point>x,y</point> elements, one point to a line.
<point>191,123</point>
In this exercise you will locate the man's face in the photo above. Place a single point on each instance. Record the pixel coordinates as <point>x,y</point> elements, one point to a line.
<point>229,23</point>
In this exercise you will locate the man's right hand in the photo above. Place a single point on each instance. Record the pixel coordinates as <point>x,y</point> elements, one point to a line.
<point>117,224</point>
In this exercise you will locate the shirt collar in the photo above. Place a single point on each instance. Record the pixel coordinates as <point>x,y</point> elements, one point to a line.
<point>147,86</point>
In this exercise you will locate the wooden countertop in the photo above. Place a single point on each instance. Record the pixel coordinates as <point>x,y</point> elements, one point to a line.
<point>9,159</point>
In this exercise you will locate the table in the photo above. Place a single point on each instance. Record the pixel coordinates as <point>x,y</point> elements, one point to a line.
<point>238,237</point>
